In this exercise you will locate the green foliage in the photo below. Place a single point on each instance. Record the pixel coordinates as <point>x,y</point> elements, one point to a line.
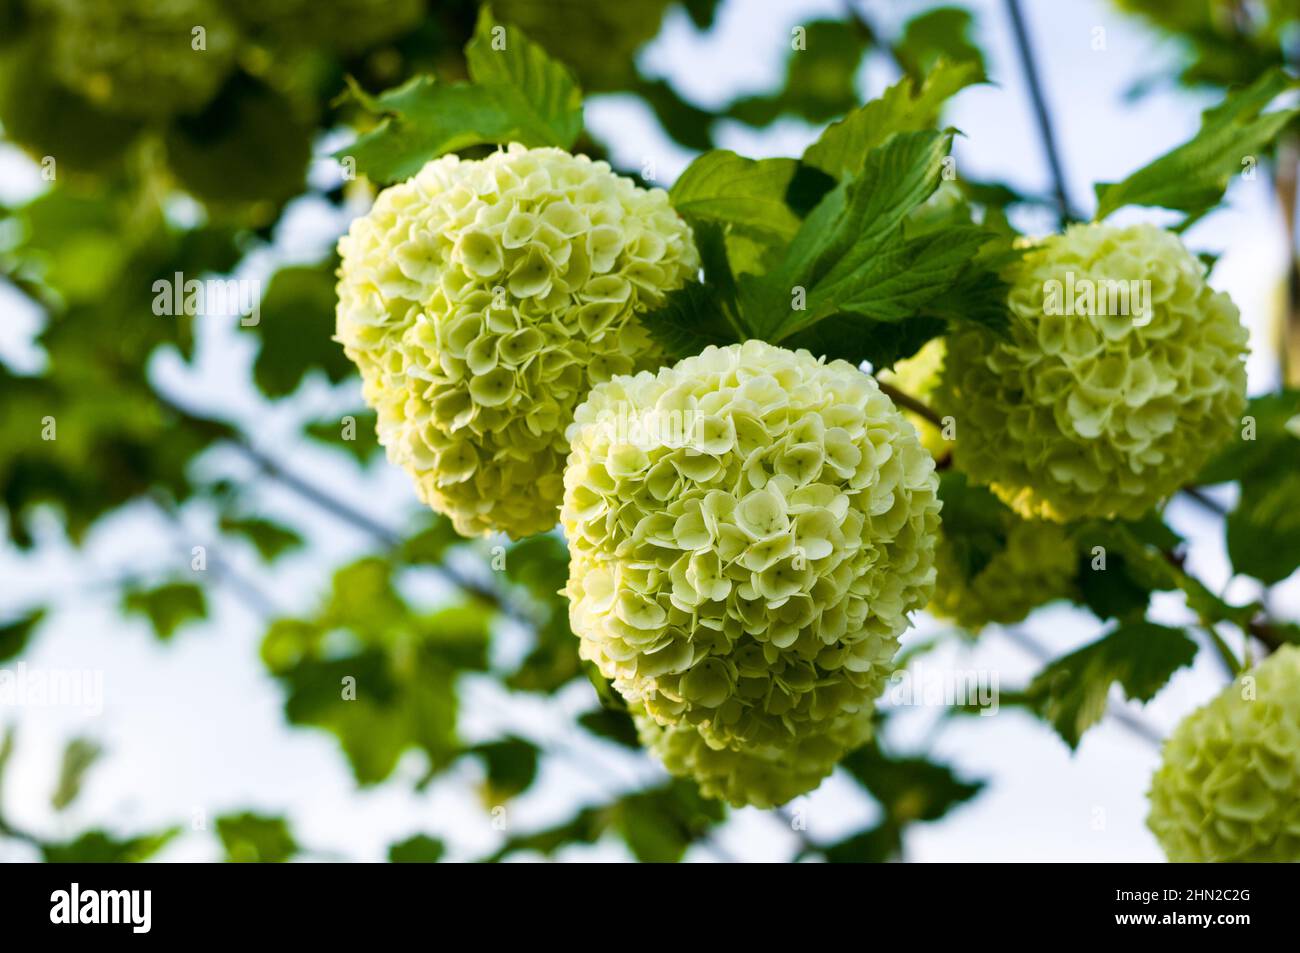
<point>511,765</point>
<point>1234,136</point>
<point>15,635</point>
<point>296,324</point>
<point>378,675</point>
<point>271,539</point>
<point>1071,693</point>
<point>250,838</point>
<point>101,847</point>
<point>419,849</point>
<point>934,36</point>
<point>516,94</point>
<point>78,758</point>
<point>167,607</point>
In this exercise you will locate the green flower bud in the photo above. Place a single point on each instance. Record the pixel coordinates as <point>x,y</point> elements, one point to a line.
<point>763,777</point>
<point>1087,411</point>
<point>1226,791</point>
<point>144,59</point>
<point>748,533</point>
<point>482,299</point>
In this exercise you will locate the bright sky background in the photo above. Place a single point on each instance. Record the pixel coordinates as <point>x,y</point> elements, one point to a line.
<point>195,728</point>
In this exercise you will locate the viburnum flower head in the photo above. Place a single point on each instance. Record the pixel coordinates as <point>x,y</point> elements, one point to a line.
<point>746,564</point>
<point>763,777</point>
<point>1085,411</point>
<point>482,299</point>
<point>137,58</point>
<point>1226,791</point>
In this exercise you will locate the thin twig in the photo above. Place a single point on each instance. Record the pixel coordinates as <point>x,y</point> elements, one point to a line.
<point>1041,114</point>
<point>908,402</point>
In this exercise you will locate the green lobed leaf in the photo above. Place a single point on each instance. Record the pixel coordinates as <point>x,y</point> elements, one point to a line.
<point>1071,693</point>
<point>908,788</point>
<point>935,36</point>
<point>844,146</point>
<point>746,194</point>
<point>419,849</point>
<point>517,94</point>
<point>250,838</point>
<point>167,607</point>
<point>296,325</point>
<point>1193,177</point>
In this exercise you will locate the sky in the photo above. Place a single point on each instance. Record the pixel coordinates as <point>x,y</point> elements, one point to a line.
<point>195,728</point>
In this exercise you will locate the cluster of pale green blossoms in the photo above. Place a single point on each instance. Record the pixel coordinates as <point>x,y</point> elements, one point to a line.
<point>482,300</point>
<point>751,528</point>
<point>1227,789</point>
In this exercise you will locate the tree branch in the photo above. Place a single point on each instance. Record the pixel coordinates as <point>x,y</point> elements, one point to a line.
<point>1042,117</point>
<point>908,402</point>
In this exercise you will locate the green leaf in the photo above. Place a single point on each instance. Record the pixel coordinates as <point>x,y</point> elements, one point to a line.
<point>429,545</point>
<point>250,838</point>
<point>517,94</point>
<point>1264,528</point>
<point>15,635</point>
<point>908,788</point>
<point>615,726</point>
<point>420,849</point>
<point>849,256</point>
<point>843,147</point>
<point>1072,692</point>
<point>1193,177</point>
<point>100,847</point>
<point>167,607</point>
<point>941,34</point>
<point>745,194</point>
<point>296,325</point>
<point>659,825</point>
<point>354,433</point>
<point>690,319</point>
<point>511,765</point>
<point>877,845</point>
<point>271,539</point>
<point>1262,445</point>
<point>78,757</point>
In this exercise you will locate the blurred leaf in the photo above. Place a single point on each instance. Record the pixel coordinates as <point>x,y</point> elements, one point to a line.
<point>247,145</point>
<point>1265,447</point>
<point>271,539</point>
<point>659,825</point>
<point>354,433</point>
<point>1193,177</point>
<point>1264,528</point>
<point>99,847</point>
<point>1111,593</point>
<point>1072,692</point>
<point>14,636</point>
<point>845,145</point>
<point>168,607</point>
<point>876,845</point>
<point>296,327</point>
<point>250,838</point>
<point>689,125</point>
<point>820,75</point>
<point>974,522</point>
<point>78,757</point>
<point>511,765</point>
<point>420,849</point>
<point>518,94</point>
<point>908,788</point>
<point>430,544</point>
<point>615,726</point>
<point>941,34</point>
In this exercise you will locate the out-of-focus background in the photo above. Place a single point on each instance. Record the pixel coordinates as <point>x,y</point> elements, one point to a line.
<point>201,483</point>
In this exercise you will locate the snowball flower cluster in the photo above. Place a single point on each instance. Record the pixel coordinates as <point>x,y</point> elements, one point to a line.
<point>1226,791</point>
<point>136,58</point>
<point>748,532</point>
<point>762,777</point>
<point>482,299</point>
<point>1086,412</point>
